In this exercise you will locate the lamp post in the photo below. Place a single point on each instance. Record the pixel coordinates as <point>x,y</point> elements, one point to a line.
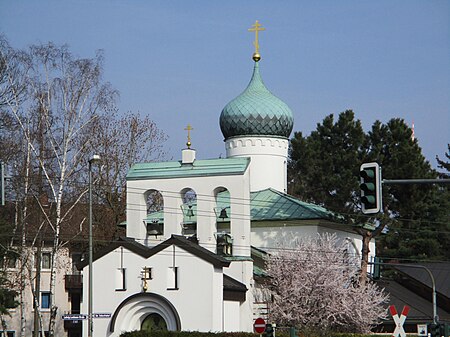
<point>95,158</point>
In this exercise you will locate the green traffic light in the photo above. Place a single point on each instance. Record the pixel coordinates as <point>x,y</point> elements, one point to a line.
<point>370,185</point>
<point>368,199</point>
<point>367,173</point>
<point>367,187</point>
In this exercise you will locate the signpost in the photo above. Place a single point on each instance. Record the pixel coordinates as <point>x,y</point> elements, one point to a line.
<point>102,315</point>
<point>259,325</point>
<point>74,317</point>
<point>422,330</point>
<point>399,331</point>
<point>78,317</point>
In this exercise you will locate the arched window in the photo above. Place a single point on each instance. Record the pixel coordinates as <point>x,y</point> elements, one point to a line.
<point>189,207</point>
<point>222,209</point>
<point>154,322</point>
<point>224,240</point>
<point>155,213</point>
<point>155,201</point>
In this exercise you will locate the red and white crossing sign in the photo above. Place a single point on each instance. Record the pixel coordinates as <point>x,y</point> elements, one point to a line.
<point>259,325</point>
<point>399,331</point>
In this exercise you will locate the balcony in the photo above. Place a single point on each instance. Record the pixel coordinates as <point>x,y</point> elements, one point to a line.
<point>74,282</point>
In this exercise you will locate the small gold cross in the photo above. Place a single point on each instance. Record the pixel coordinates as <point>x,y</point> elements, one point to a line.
<point>189,129</point>
<point>256,27</point>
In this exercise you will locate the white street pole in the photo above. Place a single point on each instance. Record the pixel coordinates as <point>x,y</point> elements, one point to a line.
<point>95,158</point>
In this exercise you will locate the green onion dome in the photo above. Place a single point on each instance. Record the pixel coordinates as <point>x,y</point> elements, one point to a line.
<point>256,112</point>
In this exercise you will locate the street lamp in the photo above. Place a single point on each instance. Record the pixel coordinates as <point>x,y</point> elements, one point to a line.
<point>94,159</point>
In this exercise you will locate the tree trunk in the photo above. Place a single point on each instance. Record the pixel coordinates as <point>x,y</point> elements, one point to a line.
<point>366,237</point>
<point>36,292</point>
<point>24,242</point>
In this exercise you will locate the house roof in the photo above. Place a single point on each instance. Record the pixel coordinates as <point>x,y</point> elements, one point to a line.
<point>146,252</point>
<point>175,169</point>
<point>233,290</point>
<point>421,309</point>
<point>230,283</point>
<point>440,271</point>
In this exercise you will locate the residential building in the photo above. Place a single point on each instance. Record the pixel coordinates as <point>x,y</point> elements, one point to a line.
<point>34,276</point>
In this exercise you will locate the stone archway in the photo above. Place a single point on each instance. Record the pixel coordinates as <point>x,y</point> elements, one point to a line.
<point>141,310</point>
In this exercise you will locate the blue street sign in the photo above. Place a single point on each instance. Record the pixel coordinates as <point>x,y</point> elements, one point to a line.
<point>102,315</point>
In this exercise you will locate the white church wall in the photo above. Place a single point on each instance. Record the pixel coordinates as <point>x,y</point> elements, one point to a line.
<point>268,165</point>
<point>205,188</point>
<point>198,299</point>
<point>242,271</point>
<point>231,315</point>
<point>271,237</point>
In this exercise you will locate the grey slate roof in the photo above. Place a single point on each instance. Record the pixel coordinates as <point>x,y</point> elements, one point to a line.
<point>440,271</point>
<point>230,283</point>
<point>421,309</point>
<point>146,252</point>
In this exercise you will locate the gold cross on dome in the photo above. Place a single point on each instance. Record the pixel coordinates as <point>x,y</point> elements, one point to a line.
<point>256,28</point>
<point>188,128</point>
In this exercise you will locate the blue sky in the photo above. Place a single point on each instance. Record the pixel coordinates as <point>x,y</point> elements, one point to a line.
<point>182,61</point>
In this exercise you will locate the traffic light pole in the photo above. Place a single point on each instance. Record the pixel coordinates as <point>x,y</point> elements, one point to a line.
<point>415,181</point>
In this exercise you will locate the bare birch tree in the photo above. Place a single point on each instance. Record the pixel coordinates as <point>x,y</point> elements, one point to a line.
<point>315,287</point>
<point>65,97</point>
<point>121,141</point>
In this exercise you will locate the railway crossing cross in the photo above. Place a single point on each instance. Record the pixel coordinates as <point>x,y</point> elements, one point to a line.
<point>399,331</point>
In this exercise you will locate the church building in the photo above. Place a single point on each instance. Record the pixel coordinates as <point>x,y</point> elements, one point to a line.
<point>197,230</point>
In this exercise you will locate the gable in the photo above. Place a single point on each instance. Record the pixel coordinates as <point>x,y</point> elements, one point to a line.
<point>146,252</point>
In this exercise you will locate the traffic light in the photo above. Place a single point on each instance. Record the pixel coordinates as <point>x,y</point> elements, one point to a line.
<point>269,330</point>
<point>435,330</point>
<point>376,268</point>
<point>370,188</point>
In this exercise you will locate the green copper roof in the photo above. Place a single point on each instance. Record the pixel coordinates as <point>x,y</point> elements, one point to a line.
<point>175,169</point>
<point>270,204</point>
<point>256,111</point>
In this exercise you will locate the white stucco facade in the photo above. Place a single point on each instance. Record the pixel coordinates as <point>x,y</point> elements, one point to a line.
<point>269,236</point>
<point>268,165</point>
<point>196,303</point>
<point>206,188</point>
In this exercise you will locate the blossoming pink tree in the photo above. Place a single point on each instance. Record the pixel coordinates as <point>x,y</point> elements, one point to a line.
<point>315,286</point>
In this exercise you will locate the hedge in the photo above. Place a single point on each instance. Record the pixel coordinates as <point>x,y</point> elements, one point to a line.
<point>279,333</point>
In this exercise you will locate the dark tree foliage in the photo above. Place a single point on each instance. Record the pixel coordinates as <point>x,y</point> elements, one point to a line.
<point>324,169</point>
<point>417,232</point>
<point>445,165</point>
<point>322,166</point>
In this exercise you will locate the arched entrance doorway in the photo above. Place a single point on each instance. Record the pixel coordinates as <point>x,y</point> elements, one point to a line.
<point>154,322</point>
<point>145,311</point>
